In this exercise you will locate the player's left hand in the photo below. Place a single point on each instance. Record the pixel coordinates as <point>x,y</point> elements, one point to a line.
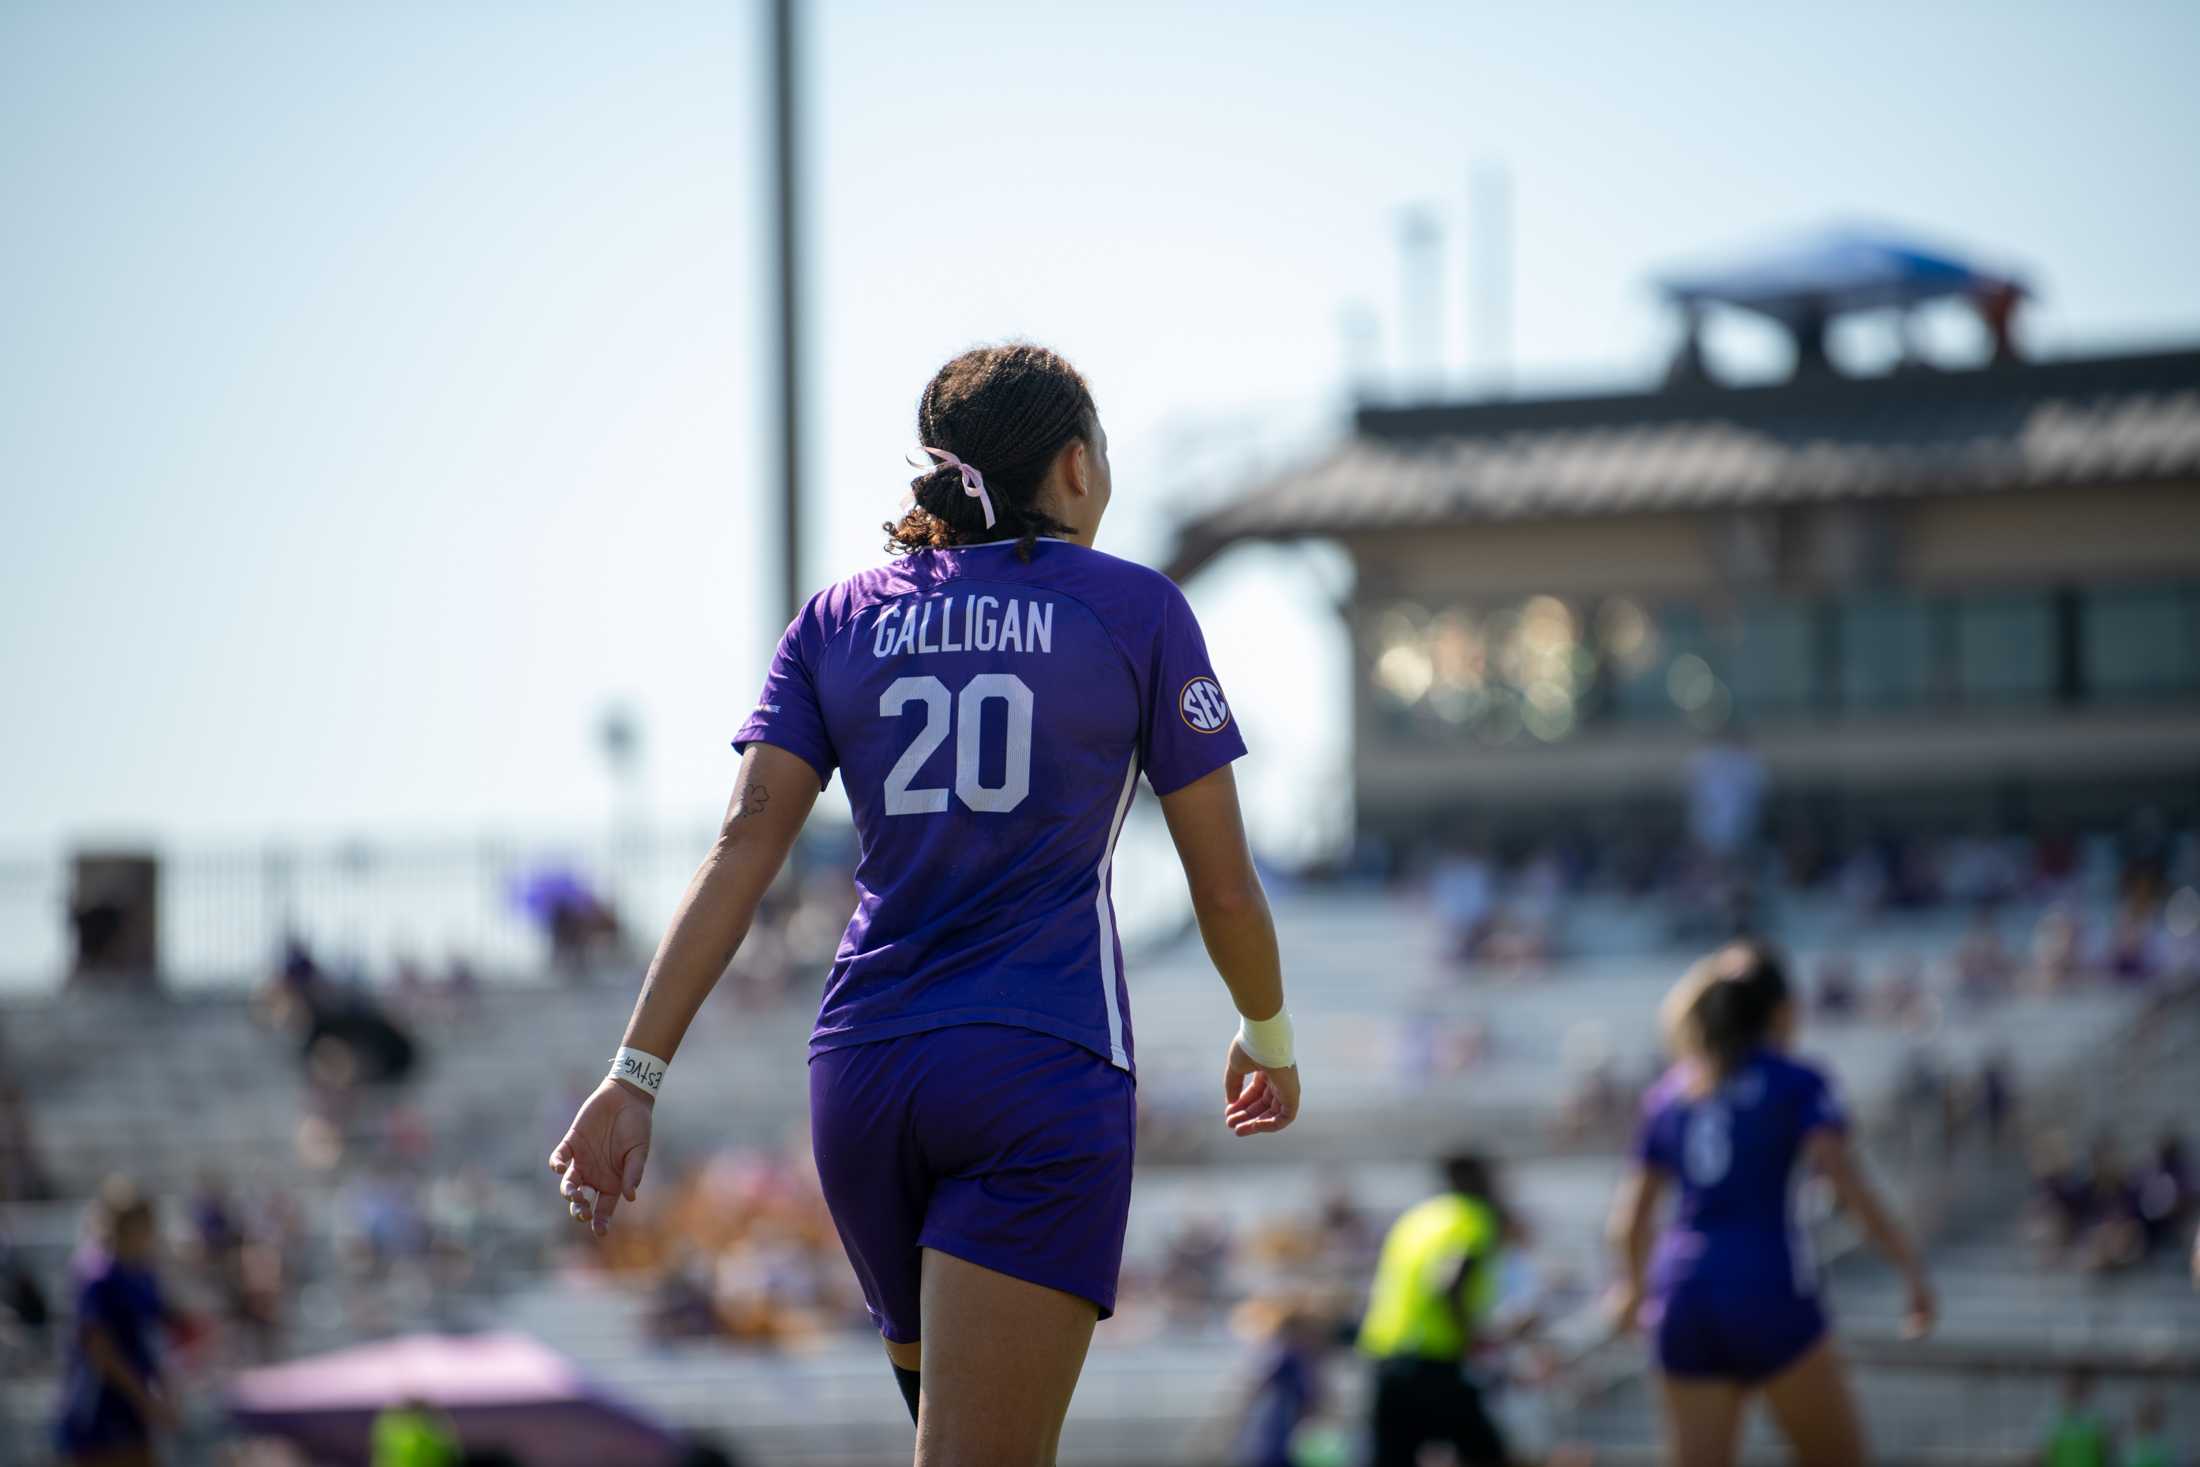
<point>601,1158</point>
<point>1255,1098</point>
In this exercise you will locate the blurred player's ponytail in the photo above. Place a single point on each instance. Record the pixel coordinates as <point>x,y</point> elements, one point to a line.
<point>1726,1006</point>
<point>1007,411</point>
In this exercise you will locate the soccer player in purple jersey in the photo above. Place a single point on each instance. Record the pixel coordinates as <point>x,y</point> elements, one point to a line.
<point>1732,1294</point>
<point>990,696</point>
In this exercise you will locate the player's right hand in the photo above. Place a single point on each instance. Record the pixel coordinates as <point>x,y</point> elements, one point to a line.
<point>1255,1098</point>
<point>1923,1309</point>
<point>600,1160</point>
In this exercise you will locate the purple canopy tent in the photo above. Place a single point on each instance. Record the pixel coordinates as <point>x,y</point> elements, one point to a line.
<point>500,1390</point>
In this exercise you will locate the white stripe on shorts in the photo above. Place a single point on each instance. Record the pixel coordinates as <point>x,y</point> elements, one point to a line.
<point>1107,922</point>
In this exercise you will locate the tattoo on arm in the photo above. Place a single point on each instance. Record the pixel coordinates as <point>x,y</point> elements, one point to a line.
<point>752,800</point>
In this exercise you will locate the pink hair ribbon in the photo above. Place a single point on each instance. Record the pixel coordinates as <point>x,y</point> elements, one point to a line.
<point>973,481</point>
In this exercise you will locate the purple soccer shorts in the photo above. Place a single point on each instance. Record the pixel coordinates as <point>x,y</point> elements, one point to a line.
<point>1005,1147</point>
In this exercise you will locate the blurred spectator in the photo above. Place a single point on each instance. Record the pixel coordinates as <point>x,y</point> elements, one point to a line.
<point>1193,1263</point>
<point>1864,881</point>
<point>2165,1190</point>
<point>743,1249</point>
<point>2057,959</point>
<point>1984,968</point>
<point>1726,796</point>
<point>1463,891</point>
<point>1345,1231</point>
<point>2181,934</point>
<point>2059,1202</point>
<point>582,927</point>
<point>1983,870</point>
<point>113,1402</point>
<point>1997,303</point>
<point>1901,999</point>
<point>1997,1095</point>
<point>344,1038</point>
<point>2149,1444</point>
<point>1286,1390</point>
<point>25,1317</point>
<point>2114,1232</point>
<point>23,1175</point>
<point>2132,957</point>
<point>1593,1103</point>
<point>2055,863</point>
<point>2078,1435</point>
<point>413,1434</point>
<point>1839,996</point>
<point>1924,1101</point>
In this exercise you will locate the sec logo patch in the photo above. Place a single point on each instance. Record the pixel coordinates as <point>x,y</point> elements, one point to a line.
<point>1202,706</point>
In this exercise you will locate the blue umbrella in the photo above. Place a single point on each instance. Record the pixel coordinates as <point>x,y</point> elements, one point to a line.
<point>1831,271</point>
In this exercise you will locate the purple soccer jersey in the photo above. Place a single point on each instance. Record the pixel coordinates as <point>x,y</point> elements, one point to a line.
<point>1733,1154</point>
<point>990,719</point>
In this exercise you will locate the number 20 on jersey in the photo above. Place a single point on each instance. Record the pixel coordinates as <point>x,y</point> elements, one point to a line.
<point>964,714</point>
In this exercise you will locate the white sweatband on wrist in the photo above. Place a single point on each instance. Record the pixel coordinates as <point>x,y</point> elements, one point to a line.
<point>640,1069</point>
<point>1267,1041</point>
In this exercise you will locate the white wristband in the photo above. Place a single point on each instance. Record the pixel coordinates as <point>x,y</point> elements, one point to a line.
<point>1267,1041</point>
<point>640,1069</point>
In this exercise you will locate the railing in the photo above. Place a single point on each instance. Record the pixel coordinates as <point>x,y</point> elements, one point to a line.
<point>365,905</point>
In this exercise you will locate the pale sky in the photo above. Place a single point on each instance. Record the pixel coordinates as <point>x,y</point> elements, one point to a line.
<point>383,388</point>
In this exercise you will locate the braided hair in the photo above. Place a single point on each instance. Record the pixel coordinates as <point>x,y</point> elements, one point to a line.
<point>1008,411</point>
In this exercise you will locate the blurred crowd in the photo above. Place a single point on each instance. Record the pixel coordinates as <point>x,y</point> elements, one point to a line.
<point>2111,1208</point>
<point>1505,909</point>
<point>736,1247</point>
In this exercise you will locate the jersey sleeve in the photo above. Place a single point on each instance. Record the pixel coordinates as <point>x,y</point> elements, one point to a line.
<point>1652,1148</point>
<point>788,714</point>
<point>1820,1107</point>
<point>1189,730</point>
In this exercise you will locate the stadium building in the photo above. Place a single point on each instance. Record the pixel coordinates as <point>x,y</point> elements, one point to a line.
<point>1968,598</point>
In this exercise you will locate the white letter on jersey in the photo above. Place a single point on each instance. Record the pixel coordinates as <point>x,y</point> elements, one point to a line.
<point>1039,622</point>
<point>1012,631</point>
<point>883,643</point>
<point>985,630</point>
<point>907,641</point>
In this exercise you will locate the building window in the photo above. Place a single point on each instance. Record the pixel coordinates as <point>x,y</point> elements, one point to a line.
<point>1643,687</point>
<point>2005,649</point>
<point>2141,642</point>
<point>1776,658</point>
<point>1515,672</point>
<point>1886,652</point>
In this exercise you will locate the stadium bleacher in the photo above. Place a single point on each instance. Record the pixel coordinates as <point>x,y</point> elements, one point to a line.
<point>1370,982</point>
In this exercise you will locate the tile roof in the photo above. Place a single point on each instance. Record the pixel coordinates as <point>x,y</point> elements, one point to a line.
<point>2023,424</point>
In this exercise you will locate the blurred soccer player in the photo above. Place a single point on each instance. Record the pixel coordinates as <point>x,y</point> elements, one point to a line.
<point>1435,1285</point>
<point>1734,1294</point>
<point>113,1404</point>
<point>990,696</point>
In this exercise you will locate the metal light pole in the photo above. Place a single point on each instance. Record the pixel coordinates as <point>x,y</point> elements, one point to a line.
<point>786,198</point>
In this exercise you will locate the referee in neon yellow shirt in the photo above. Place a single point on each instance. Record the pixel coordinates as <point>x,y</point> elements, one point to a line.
<point>1435,1284</point>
